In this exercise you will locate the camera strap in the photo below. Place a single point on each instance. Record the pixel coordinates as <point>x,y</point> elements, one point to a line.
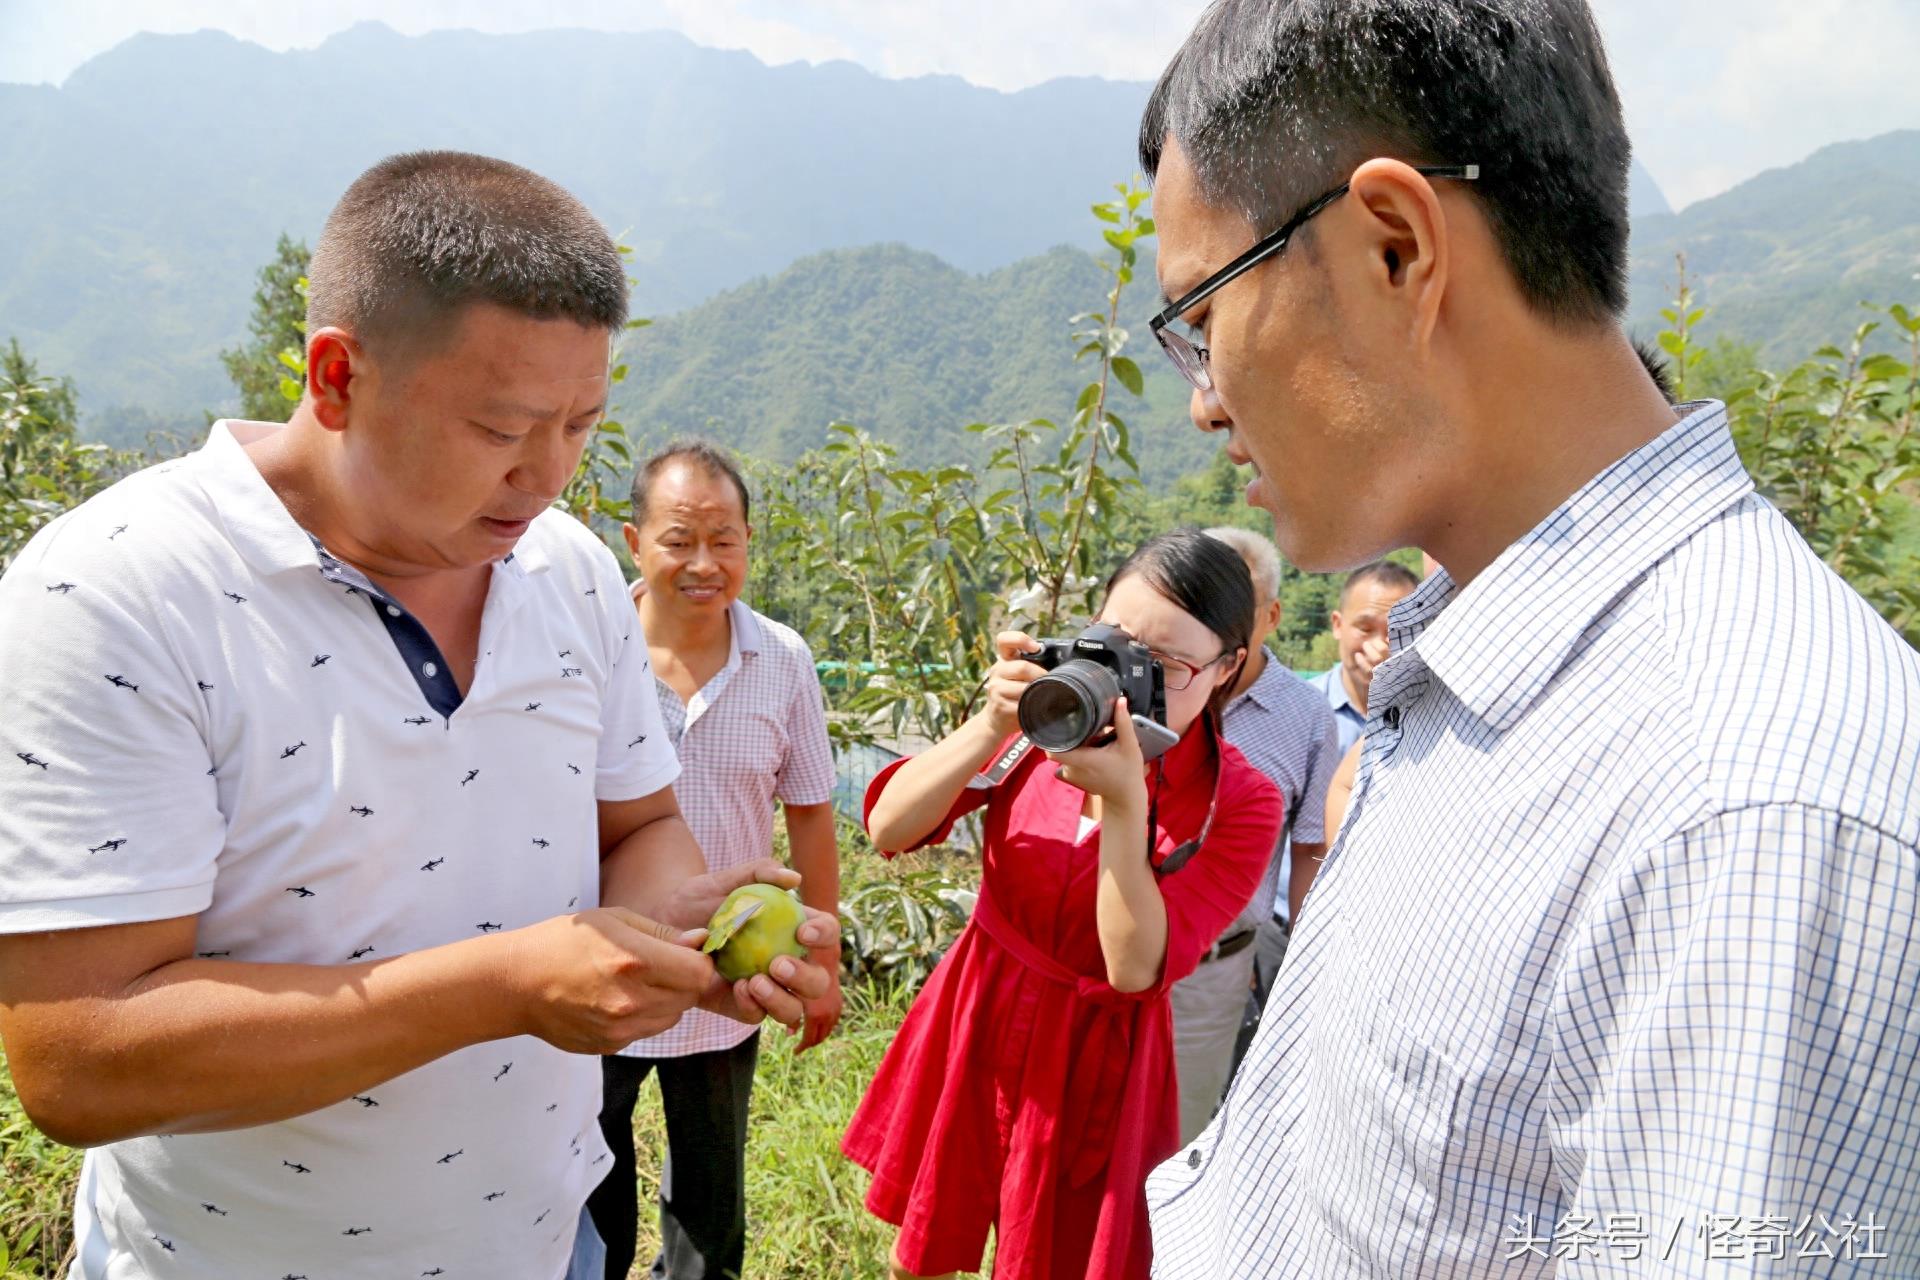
<point>1003,764</point>
<point>1183,852</point>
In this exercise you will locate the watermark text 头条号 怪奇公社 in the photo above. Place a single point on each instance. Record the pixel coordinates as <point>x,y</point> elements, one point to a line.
<point>1718,1237</point>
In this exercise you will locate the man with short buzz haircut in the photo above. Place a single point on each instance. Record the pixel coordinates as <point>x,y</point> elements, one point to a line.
<point>744,711</point>
<point>1284,729</point>
<point>348,837</point>
<point>1359,628</point>
<point>1610,969</point>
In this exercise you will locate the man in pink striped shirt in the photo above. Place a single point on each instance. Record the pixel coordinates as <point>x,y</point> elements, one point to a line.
<point>743,707</point>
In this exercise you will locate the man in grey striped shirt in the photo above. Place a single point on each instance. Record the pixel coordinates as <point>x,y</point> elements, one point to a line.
<point>1612,969</point>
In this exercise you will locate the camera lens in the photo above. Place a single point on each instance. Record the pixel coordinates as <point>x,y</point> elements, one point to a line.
<point>1069,705</point>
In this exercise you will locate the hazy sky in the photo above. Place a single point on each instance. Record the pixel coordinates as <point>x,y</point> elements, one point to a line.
<point>1716,90</point>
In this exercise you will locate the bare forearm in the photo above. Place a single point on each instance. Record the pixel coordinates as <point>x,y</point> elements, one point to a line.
<point>1129,912</point>
<point>815,854</point>
<point>815,851</point>
<point>1306,859</point>
<point>917,798</point>
<point>198,1046</point>
<point>643,872</point>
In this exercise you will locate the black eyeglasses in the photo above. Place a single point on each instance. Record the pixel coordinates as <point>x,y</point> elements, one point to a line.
<point>1189,357</point>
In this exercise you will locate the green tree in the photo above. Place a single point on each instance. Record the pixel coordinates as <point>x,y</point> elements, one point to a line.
<point>259,369</point>
<point>44,467</point>
<point>903,574</point>
<point>598,495</point>
<point>1834,443</point>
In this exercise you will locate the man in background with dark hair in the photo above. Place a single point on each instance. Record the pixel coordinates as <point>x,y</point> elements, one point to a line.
<point>353,840</point>
<point>1610,967</point>
<point>743,709</point>
<point>1359,628</point>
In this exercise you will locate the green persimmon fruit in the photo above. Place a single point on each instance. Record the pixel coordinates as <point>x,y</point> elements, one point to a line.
<point>750,949</point>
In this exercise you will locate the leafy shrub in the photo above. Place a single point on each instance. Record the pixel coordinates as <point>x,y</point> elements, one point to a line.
<point>45,469</point>
<point>905,574</point>
<point>1834,443</point>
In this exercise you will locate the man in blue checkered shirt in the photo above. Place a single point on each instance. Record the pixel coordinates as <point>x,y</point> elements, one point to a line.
<point>1613,967</point>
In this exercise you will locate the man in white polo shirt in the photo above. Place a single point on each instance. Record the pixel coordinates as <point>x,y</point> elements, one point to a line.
<point>326,743</point>
<point>743,707</point>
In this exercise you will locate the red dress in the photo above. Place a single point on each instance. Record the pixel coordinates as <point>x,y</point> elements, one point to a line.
<point>1023,1093</point>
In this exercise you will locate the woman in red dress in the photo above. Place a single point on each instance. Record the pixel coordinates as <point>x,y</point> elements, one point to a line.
<point>1031,1087</point>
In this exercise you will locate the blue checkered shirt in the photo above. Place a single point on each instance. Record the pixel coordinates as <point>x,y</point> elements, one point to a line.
<point>1285,730</point>
<point>1614,967</point>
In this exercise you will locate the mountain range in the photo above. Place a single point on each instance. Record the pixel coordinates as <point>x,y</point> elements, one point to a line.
<point>817,241</point>
<point>141,195</point>
<point>1784,259</point>
<point>901,343</point>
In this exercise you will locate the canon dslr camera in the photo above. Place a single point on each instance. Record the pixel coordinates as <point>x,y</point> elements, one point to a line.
<point>1072,704</point>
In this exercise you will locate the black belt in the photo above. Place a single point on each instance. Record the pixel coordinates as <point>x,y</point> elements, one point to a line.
<point>1232,944</point>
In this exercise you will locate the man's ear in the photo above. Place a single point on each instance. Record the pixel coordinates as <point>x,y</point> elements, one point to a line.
<point>632,535</point>
<point>333,355</point>
<point>1333,622</point>
<point>1405,230</point>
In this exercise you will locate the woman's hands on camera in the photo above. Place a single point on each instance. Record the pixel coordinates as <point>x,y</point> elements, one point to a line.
<point>1007,679</point>
<point>1114,768</point>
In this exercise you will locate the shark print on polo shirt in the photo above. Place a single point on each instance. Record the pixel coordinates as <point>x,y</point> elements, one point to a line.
<point>297,770</point>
